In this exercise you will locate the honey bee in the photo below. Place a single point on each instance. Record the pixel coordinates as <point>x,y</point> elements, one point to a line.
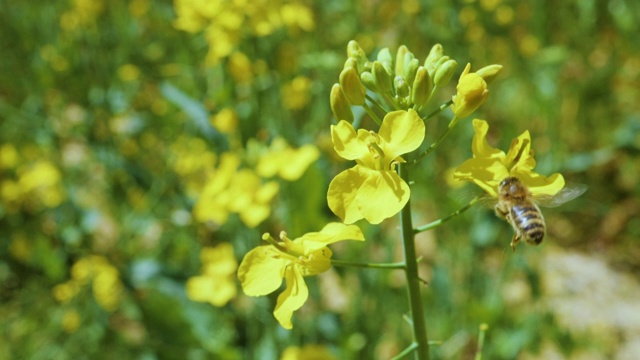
<point>519,208</point>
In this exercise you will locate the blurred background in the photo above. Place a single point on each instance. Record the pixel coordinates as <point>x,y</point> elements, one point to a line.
<point>119,120</point>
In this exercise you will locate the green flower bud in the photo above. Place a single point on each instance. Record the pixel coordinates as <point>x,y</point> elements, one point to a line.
<point>489,73</point>
<point>339,104</point>
<point>434,55</point>
<point>402,89</point>
<point>355,51</point>
<point>410,70</point>
<point>421,89</point>
<point>402,50</point>
<point>368,81</point>
<point>351,63</point>
<point>352,86</point>
<point>384,56</point>
<point>441,61</point>
<point>444,73</point>
<point>381,77</point>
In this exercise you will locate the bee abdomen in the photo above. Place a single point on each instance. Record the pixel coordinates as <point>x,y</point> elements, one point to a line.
<point>529,221</point>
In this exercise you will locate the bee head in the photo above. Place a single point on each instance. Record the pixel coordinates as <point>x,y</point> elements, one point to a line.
<point>511,187</point>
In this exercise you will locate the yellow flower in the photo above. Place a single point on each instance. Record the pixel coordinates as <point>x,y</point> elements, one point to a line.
<point>472,92</point>
<point>263,268</point>
<point>216,284</point>
<point>489,166</point>
<point>372,189</point>
<point>286,162</point>
<point>307,352</point>
<point>295,95</point>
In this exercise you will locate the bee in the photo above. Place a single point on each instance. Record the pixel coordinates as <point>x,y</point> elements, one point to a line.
<point>518,207</point>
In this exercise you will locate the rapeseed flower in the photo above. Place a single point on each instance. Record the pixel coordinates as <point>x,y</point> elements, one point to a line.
<point>372,189</point>
<point>489,166</point>
<point>285,161</point>
<point>263,268</point>
<point>472,92</point>
<point>216,283</point>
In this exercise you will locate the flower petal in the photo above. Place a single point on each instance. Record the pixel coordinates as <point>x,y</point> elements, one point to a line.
<point>382,195</point>
<point>215,290</point>
<point>346,141</point>
<point>479,145</point>
<point>402,132</point>
<point>261,271</point>
<point>541,185</point>
<point>484,172</point>
<point>292,298</point>
<point>342,192</point>
<point>520,155</point>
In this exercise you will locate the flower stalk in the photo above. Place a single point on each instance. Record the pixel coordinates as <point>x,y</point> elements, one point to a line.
<point>413,280</point>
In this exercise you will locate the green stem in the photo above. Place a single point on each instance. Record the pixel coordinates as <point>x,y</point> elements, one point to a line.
<point>372,114</point>
<point>377,104</point>
<point>439,110</point>
<point>406,351</point>
<point>396,265</point>
<point>483,329</point>
<point>433,146</point>
<point>439,222</point>
<point>413,280</point>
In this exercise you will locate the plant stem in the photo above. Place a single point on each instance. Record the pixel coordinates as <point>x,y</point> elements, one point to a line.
<point>411,271</point>
<point>397,265</point>
<point>435,144</point>
<point>438,110</point>
<point>439,222</point>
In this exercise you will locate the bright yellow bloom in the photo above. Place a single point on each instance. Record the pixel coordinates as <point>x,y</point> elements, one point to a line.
<point>489,166</point>
<point>372,189</point>
<point>286,162</point>
<point>472,92</point>
<point>295,95</point>
<point>307,352</point>
<point>263,268</point>
<point>216,284</point>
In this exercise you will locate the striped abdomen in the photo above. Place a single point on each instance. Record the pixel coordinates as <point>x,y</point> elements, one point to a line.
<point>528,221</point>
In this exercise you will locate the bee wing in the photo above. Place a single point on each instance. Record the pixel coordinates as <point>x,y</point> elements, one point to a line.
<point>567,193</point>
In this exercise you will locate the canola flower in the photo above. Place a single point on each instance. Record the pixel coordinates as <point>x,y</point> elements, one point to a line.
<point>372,189</point>
<point>489,166</point>
<point>216,284</point>
<point>263,268</point>
<point>286,162</point>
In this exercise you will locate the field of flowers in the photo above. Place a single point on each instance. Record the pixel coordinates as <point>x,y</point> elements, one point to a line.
<point>297,179</point>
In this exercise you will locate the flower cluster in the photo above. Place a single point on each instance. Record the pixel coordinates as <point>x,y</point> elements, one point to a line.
<point>216,283</point>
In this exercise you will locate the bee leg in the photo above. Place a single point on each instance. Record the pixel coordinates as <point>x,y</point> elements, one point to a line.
<point>514,242</point>
<point>500,213</point>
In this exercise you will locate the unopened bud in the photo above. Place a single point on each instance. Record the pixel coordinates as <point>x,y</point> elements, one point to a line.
<point>355,51</point>
<point>421,89</point>
<point>368,81</point>
<point>444,73</point>
<point>402,89</point>
<point>339,104</point>
<point>434,55</point>
<point>381,77</point>
<point>410,70</point>
<point>351,63</point>
<point>384,56</point>
<point>489,73</point>
<point>402,50</point>
<point>352,86</point>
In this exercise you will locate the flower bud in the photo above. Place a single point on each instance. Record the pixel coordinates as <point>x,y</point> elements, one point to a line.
<point>339,104</point>
<point>434,55</point>
<point>444,73</point>
<point>355,51</point>
<point>352,86</point>
<point>402,89</point>
<point>384,56</point>
<point>368,81</point>
<point>410,70</point>
<point>402,50</point>
<point>381,77</point>
<point>489,73</point>
<point>351,63</point>
<point>421,89</point>
<point>472,92</point>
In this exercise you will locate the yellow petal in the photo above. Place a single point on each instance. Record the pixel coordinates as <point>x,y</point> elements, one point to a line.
<point>342,192</point>
<point>381,196</point>
<point>292,298</point>
<point>402,132</point>
<point>541,185</point>
<point>330,233</point>
<point>215,290</point>
<point>519,154</point>
<point>261,271</point>
<point>346,141</point>
<point>479,146</point>
<point>484,172</point>
<point>298,163</point>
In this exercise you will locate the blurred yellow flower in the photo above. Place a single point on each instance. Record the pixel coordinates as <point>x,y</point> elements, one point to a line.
<point>263,268</point>
<point>285,161</point>
<point>193,162</point>
<point>82,15</point>
<point>295,95</point>
<point>225,121</point>
<point>472,92</point>
<point>372,189</point>
<point>307,352</point>
<point>489,166</point>
<point>40,183</point>
<point>128,72</point>
<point>216,285</point>
<point>70,321</point>
<point>229,190</point>
<point>8,156</point>
<point>103,277</point>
